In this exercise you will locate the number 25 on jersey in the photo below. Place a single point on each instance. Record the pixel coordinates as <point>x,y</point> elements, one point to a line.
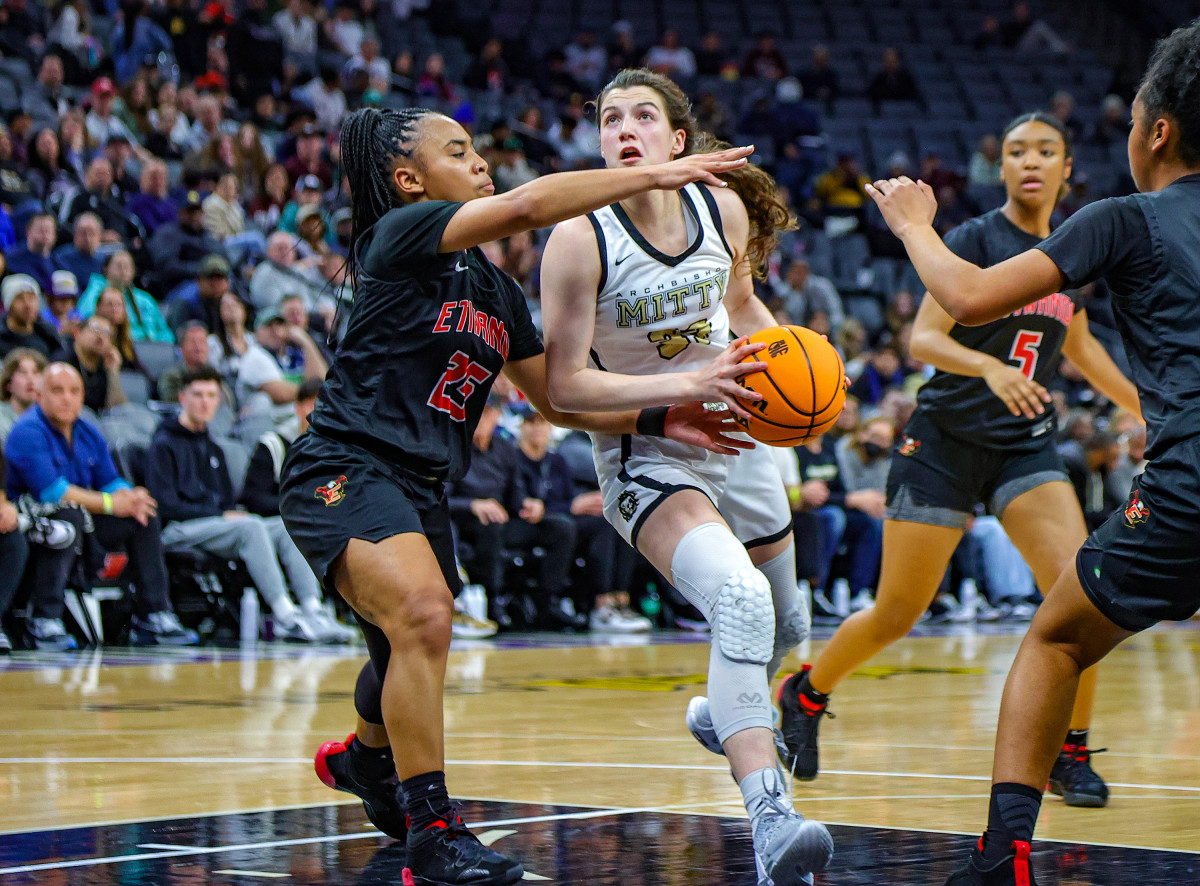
<point>1025,351</point>
<point>456,386</point>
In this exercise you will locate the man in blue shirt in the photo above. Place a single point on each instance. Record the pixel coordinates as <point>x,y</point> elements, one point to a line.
<point>62,462</point>
<point>35,257</point>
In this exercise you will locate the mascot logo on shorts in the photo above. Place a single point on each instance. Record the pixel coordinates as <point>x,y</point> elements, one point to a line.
<point>333,493</point>
<point>910,446</point>
<point>627,504</point>
<point>1136,512</point>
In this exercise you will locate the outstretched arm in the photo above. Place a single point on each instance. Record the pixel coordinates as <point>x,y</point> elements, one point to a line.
<point>970,294</point>
<point>554,198</point>
<point>1085,351</point>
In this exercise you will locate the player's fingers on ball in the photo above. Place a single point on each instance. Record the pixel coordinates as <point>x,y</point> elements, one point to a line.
<point>740,369</point>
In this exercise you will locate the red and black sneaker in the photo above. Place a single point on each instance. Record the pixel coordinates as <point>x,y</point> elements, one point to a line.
<point>1074,779</point>
<point>447,854</point>
<point>382,800</point>
<point>1012,870</point>
<point>799,722</point>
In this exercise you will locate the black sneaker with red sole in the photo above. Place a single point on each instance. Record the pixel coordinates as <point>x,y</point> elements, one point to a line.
<point>1074,779</point>
<point>382,800</point>
<point>447,854</point>
<point>799,722</point>
<point>1012,870</point>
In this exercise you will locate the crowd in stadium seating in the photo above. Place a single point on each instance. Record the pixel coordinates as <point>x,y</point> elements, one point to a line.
<point>173,225</point>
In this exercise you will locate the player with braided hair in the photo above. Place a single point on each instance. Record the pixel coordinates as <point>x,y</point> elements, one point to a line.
<point>1141,565</point>
<point>431,324</point>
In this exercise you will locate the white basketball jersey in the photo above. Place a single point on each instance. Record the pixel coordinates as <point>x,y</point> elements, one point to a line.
<point>659,313</point>
<point>655,312</point>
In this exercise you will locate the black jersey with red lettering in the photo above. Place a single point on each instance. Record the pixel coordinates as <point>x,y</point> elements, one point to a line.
<point>427,334</point>
<point>1030,339</point>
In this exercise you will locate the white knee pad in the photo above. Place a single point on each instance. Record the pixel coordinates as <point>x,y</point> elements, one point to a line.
<point>743,620</point>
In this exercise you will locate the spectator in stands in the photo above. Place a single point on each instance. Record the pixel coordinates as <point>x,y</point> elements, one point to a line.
<point>14,553</point>
<point>819,518</point>
<point>308,160</point>
<point>204,302</point>
<point>433,84</point>
<point>555,81</point>
<point>324,95</point>
<point>62,462</point>
<point>94,355</point>
<point>49,180</point>
<point>488,72</point>
<point>35,258</point>
<point>15,188</point>
<point>81,256</point>
<point>713,116</point>
<point>293,348</point>
<point>102,123</point>
<point>804,293</point>
<point>256,53</point>
<point>151,205</point>
<point>1062,107</point>
<point>209,123</point>
<point>284,273</point>
<point>294,313</point>
<point>984,168</point>
<point>1089,474</point>
<point>135,37</point>
<point>61,311</point>
<point>671,57</point>
<point>1113,126</point>
<point>260,494</point>
<point>622,51</point>
<point>711,58</point>
<point>256,376</point>
<point>187,472</point>
<point>820,81</point>
<point>111,307</point>
<point>764,61</point>
<point>101,197</point>
<point>146,322</point>
<point>20,381</point>
<point>989,34</point>
<point>863,459</point>
<point>841,190</point>
<point>1027,34</point>
<point>312,231</point>
<point>308,193</point>
<point>894,82</point>
<point>168,139</point>
<point>23,328</point>
<point>795,131</point>
<point>192,339</point>
<point>135,106</point>
<point>45,100</point>
<point>298,29</point>
<point>179,248</point>
<point>492,508</point>
<point>586,60</point>
<point>223,213</point>
<point>266,210</point>
<point>884,370</point>
<point>344,29</point>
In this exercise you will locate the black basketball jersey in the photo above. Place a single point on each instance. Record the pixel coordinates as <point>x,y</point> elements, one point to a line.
<point>1030,339</point>
<point>426,336</point>
<point>1147,249</point>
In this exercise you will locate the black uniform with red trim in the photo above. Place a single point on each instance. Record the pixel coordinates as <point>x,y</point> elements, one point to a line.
<point>962,446</point>
<point>426,336</point>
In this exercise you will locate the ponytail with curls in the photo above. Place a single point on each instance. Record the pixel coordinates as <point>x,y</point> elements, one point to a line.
<point>769,216</point>
<point>373,141</point>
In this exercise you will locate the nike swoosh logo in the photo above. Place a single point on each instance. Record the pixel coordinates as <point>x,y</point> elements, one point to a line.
<point>461,267</point>
<point>621,259</point>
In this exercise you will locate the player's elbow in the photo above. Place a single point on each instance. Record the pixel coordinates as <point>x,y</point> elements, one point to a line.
<point>967,311</point>
<point>560,394</point>
<point>522,210</point>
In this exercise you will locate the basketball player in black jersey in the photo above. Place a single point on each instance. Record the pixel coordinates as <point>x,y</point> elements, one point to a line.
<point>431,324</point>
<point>981,433</point>
<point>1142,565</point>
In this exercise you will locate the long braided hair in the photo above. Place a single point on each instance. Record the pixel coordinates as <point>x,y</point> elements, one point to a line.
<point>769,216</point>
<point>372,141</point>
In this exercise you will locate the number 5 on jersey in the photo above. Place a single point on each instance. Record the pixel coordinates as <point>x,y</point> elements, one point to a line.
<point>456,386</point>
<point>1025,351</point>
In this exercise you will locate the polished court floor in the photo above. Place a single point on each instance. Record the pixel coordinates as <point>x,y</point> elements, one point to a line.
<point>194,767</point>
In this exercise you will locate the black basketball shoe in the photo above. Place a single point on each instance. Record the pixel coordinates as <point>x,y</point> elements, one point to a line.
<point>1074,779</point>
<point>447,854</point>
<point>799,724</point>
<point>382,800</point>
<point>1012,870</point>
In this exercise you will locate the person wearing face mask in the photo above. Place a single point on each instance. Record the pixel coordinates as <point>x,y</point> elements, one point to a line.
<point>863,462</point>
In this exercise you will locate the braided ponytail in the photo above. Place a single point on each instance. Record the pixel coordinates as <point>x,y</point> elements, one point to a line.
<point>372,142</point>
<point>769,216</point>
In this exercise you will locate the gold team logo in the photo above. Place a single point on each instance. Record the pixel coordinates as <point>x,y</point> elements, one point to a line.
<point>1136,511</point>
<point>672,342</point>
<point>333,493</point>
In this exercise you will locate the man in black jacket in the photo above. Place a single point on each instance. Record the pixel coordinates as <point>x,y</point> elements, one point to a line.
<point>186,472</point>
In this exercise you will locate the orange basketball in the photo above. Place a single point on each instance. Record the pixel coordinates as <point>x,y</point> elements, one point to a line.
<point>803,388</point>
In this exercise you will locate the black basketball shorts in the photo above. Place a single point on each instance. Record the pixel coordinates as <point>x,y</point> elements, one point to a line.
<point>331,492</point>
<point>938,479</point>
<point>1142,565</point>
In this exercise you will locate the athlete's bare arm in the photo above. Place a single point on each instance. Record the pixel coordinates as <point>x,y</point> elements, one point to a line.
<point>1085,351</point>
<point>970,294</point>
<point>570,280</point>
<point>747,313</point>
<point>931,343</point>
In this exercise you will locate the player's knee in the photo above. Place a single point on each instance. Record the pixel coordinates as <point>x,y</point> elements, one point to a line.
<point>421,623</point>
<point>744,618</point>
<point>890,624</point>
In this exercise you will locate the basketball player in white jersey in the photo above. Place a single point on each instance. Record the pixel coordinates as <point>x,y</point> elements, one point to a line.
<point>637,299</point>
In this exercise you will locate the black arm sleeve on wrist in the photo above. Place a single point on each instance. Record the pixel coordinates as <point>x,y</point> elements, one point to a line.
<point>652,422</point>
